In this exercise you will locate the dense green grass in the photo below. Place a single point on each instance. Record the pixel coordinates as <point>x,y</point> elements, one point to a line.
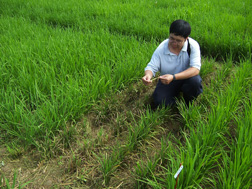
<point>55,76</point>
<point>60,60</point>
<point>221,28</point>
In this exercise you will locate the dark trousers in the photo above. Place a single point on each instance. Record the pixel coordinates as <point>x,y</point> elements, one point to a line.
<point>166,94</point>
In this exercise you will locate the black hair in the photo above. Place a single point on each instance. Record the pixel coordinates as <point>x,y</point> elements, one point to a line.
<point>181,28</point>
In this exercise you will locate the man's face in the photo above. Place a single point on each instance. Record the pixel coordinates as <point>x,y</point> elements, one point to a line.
<point>176,41</point>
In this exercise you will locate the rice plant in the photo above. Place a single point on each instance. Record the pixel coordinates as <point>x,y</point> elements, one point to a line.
<point>8,184</point>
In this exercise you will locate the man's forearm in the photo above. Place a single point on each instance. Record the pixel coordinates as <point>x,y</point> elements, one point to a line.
<point>190,72</point>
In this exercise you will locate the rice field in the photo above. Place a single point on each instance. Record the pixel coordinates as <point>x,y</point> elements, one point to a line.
<point>74,113</point>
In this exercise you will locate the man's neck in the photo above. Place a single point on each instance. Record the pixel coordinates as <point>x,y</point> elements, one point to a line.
<point>175,51</point>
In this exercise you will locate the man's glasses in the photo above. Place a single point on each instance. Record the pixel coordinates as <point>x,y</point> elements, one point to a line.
<point>175,40</point>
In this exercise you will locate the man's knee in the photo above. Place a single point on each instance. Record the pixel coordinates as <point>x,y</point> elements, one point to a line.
<point>194,81</point>
<point>162,98</point>
<point>192,86</point>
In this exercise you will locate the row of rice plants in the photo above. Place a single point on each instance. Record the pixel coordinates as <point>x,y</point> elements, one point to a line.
<point>207,143</point>
<point>235,168</point>
<point>52,76</point>
<point>138,132</point>
<point>222,30</point>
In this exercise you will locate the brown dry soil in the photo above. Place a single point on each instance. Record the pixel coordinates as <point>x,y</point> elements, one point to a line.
<point>74,164</point>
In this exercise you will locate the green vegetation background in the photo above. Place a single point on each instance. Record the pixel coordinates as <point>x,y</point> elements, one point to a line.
<point>58,58</point>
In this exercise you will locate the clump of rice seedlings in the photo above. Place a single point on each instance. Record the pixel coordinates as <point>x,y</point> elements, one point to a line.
<point>160,171</point>
<point>144,128</point>
<point>208,67</point>
<point>145,171</point>
<point>8,184</point>
<point>109,163</point>
<point>14,150</point>
<point>74,163</point>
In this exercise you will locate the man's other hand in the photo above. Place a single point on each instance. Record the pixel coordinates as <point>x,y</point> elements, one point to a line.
<point>166,79</point>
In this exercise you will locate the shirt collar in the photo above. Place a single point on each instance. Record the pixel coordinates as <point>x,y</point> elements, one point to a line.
<point>184,48</point>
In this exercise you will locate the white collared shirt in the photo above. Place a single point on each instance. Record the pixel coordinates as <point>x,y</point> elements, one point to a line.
<point>166,62</point>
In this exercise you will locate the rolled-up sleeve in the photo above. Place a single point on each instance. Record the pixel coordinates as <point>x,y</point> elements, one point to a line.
<point>195,57</point>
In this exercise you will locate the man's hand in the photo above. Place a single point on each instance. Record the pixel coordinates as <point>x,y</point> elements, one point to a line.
<point>166,79</point>
<point>147,79</point>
